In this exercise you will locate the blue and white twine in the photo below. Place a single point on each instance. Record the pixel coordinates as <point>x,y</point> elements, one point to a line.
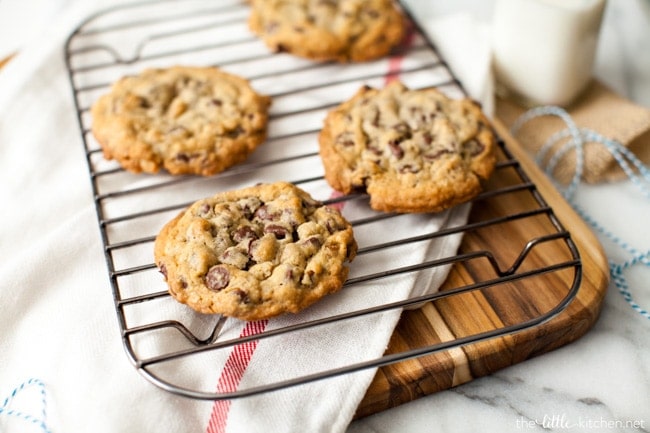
<point>576,138</point>
<point>37,420</point>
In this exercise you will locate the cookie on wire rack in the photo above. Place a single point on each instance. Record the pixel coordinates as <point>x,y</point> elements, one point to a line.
<point>256,252</point>
<point>410,150</point>
<point>329,30</point>
<point>186,120</point>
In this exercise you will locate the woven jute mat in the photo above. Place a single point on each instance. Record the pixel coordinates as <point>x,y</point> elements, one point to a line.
<point>599,109</point>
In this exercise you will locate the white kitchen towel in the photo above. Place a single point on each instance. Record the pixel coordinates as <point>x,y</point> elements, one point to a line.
<point>63,365</point>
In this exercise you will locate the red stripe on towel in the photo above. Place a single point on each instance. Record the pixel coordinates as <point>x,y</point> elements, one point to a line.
<point>337,205</point>
<point>232,373</point>
<point>395,62</point>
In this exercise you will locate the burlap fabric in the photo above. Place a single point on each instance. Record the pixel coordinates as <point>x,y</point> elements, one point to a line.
<point>599,109</point>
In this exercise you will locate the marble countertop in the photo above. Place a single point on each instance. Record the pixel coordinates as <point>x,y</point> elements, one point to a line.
<point>600,383</point>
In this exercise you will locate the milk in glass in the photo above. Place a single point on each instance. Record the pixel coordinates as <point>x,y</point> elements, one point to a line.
<point>544,49</point>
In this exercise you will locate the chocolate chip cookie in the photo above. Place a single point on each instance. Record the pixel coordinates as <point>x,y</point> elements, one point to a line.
<point>256,252</point>
<point>337,30</point>
<point>410,150</point>
<point>186,120</point>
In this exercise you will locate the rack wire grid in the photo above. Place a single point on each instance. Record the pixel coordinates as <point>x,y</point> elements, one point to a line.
<point>132,208</point>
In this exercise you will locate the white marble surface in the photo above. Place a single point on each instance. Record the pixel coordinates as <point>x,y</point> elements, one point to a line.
<point>600,383</point>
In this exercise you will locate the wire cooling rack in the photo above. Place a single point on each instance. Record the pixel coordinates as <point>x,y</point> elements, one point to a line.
<point>132,208</point>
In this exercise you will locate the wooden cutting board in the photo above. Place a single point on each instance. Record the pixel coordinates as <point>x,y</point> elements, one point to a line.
<point>514,302</point>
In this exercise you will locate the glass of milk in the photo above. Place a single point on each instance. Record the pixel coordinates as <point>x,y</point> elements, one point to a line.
<point>543,50</point>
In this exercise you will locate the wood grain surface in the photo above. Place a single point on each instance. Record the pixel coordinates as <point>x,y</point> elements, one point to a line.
<point>4,61</point>
<point>500,305</point>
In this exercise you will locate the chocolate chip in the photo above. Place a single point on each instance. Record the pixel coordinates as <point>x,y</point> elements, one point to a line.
<point>332,225</point>
<point>183,157</point>
<point>163,269</point>
<point>435,154</point>
<point>277,230</point>
<point>235,132</point>
<point>263,213</point>
<point>408,168</point>
<point>217,278</point>
<point>308,277</point>
<point>243,296</point>
<point>314,241</point>
<point>249,251</point>
<point>244,232</point>
<point>143,102</point>
<point>395,149</point>
<point>345,139</point>
<point>205,209</point>
<point>186,157</point>
<point>248,207</point>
